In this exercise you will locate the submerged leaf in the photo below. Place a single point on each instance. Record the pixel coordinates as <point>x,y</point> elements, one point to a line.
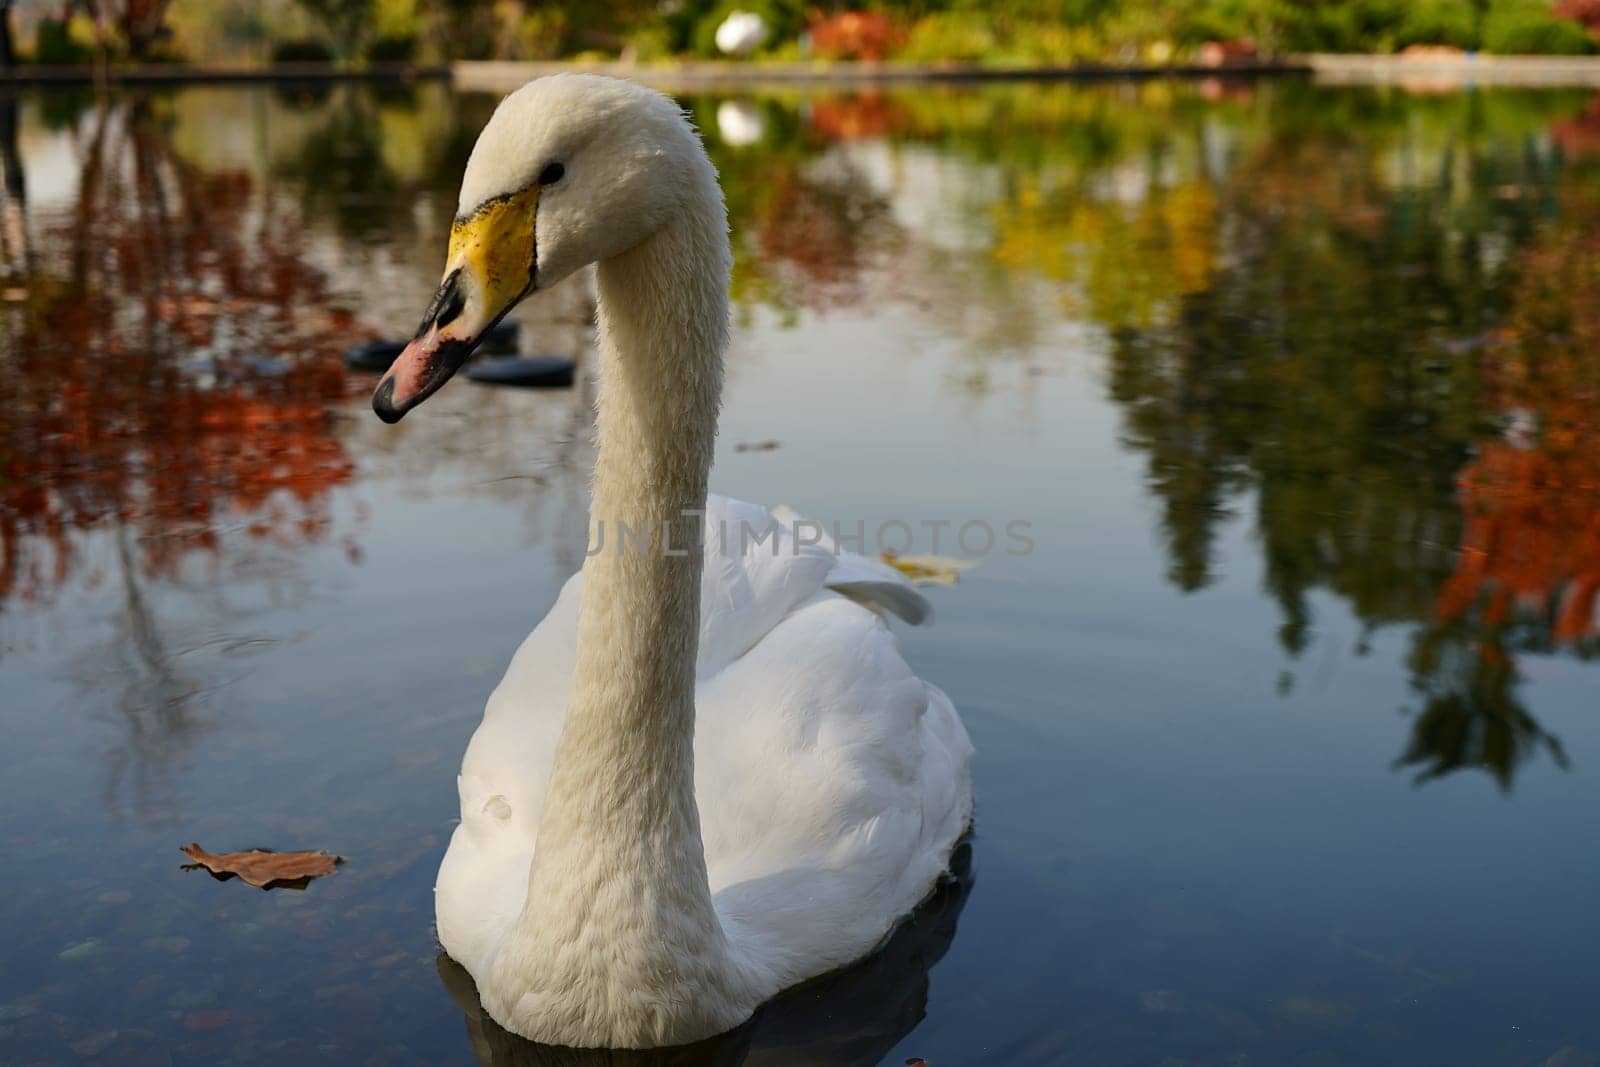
<point>263,870</point>
<point>929,570</point>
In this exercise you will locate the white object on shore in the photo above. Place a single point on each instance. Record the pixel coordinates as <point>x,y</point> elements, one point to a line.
<point>741,33</point>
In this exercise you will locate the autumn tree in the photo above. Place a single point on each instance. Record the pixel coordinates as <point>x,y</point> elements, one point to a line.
<point>138,26</point>
<point>8,51</point>
<point>1585,13</point>
<point>347,20</point>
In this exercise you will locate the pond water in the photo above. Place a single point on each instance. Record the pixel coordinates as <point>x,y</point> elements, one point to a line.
<point>1287,726</point>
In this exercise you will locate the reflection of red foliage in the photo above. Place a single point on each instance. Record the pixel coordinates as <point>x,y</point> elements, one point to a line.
<point>1580,136</point>
<point>869,35</point>
<point>802,228</point>
<point>1532,534</point>
<point>850,118</point>
<point>171,366</point>
<point>1532,539</point>
<point>1215,90</point>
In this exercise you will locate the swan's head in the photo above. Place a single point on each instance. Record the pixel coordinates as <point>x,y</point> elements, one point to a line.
<point>571,169</point>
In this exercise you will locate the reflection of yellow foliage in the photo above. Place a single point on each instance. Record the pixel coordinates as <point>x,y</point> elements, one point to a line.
<point>1130,261</point>
<point>409,138</point>
<point>1190,214</point>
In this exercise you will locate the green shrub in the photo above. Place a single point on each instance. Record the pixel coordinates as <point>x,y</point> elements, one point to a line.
<point>1448,22</point>
<point>304,50</point>
<point>1377,25</point>
<point>1324,29</point>
<point>541,34</point>
<point>651,43</point>
<point>1211,23</point>
<point>954,36</point>
<point>1050,44</point>
<point>54,45</point>
<point>1526,27</point>
<point>393,48</point>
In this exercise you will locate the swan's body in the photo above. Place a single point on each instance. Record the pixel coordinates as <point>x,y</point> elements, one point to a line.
<point>830,783</point>
<point>706,776</point>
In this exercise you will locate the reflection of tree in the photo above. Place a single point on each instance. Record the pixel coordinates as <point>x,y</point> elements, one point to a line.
<point>817,229</point>
<point>169,366</point>
<point>806,226</point>
<point>157,714</point>
<point>365,154</point>
<point>1129,260</point>
<point>169,373</point>
<point>15,251</point>
<point>1470,715</point>
<point>1531,499</point>
<point>1527,575</point>
<point>1335,365</point>
<point>852,116</point>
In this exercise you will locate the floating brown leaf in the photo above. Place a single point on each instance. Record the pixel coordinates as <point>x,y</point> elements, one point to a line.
<point>264,869</point>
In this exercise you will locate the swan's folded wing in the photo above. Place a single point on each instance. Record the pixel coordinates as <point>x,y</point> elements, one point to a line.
<point>756,572</point>
<point>832,783</point>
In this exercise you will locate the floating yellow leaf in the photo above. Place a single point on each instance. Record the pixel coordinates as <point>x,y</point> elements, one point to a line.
<point>929,570</point>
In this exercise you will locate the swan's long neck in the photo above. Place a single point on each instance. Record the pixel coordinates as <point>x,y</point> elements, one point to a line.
<point>618,878</point>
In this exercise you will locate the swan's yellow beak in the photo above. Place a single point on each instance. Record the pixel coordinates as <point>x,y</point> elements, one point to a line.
<point>490,268</point>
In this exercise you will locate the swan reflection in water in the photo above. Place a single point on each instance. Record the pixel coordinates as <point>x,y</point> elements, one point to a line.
<point>844,1019</point>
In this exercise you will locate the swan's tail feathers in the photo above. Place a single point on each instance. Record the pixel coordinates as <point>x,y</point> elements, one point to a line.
<point>867,581</point>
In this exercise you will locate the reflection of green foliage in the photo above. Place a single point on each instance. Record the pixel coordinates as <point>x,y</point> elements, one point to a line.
<point>1470,716</point>
<point>1333,369</point>
<point>1295,284</point>
<point>365,155</point>
<point>61,108</point>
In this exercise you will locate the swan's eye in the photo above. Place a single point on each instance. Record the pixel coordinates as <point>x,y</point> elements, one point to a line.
<point>551,174</point>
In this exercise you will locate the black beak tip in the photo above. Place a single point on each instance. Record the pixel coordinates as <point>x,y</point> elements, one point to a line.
<point>383,403</point>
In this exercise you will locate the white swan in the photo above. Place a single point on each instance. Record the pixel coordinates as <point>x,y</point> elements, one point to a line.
<point>706,776</point>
